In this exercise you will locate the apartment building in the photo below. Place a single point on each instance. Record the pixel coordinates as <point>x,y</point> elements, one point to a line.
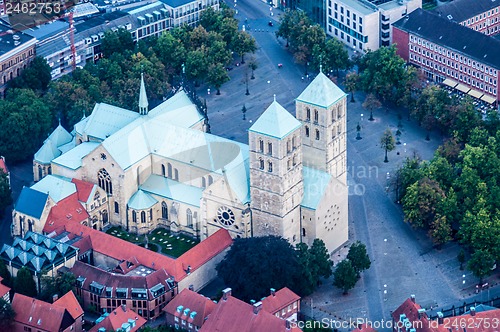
<point>479,15</point>
<point>17,50</point>
<point>451,53</point>
<point>366,24</point>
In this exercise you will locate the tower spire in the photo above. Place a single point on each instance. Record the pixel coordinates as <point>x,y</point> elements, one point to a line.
<point>143,98</point>
<point>321,63</point>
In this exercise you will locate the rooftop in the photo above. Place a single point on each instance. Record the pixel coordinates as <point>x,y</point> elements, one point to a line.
<point>3,289</point>
<point>31,202</point>
<point>321,92</point>
<point>168,188</point>
<point>55,186</point>
<point>10,41</point>
<point>461,10</point>
<point>199,307</point>
<point>276,122</point>
<point>120,318</point>
<point>279,300</point>
<point>315,182</point>
<point>442,31</point>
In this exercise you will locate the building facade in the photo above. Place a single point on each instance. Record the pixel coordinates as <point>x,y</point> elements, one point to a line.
<point>479,15</point>
<point>366,24</point>
<point>17,50</point>
<point>446,50</point>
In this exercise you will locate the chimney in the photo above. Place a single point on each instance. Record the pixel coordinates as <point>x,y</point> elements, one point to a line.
<point>440,317</point>
<point>421,313</point>
<point>226,293</point>
<point>124,307</point>
<point>273,292</point>
<point>191,287</point>
<point>412,297</point>
<point>54,298</point>
<point>188,271</point>
<point>256,307</point>
<point>472,311</point>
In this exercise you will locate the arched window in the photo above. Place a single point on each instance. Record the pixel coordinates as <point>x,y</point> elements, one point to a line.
<point>169,170</point>
<point>176,174</point>
<point>316,116</point>
<point>261,163</point>
<point>40,172</point>
<point>270,148</point>
<point>30,225</point>
<point>203,182</point>
<point>333,115</point>
<point>164,210</point>
<point>261,145</point>
<point>139,175</point>
<point>293,142</point>
<point>210,180</point>
<point>104,217</point>
<point>269,166</point>
<point>117,207</point>
<point>163,170</point>
<point>339,129</point>
<point>150,214</point>
<point>105,181</point>
<point>317,134</point>
<point>294,161</point>
<point>303,232</point>
<point>307,131</point>
<point>134,216</point>
<point>189,218</point>
<point>288,164</point>
<point>308,114</point>
<point>143,217</point>
<point>49,170</point>
<point>333,132</point>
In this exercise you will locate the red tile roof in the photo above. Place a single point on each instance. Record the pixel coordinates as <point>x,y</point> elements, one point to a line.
<point>3,289</point>
<point>119,316</point>
<point>123,250</point>
<point>365,328</point>
<point>83,188</point>
<point>3,165</point>
<point>281,299</point>
<point>67,209</point>
<point>70,303</point>
<point>233,315</point>
<point>202,305</point>
<point>483,321</point>
<point>410,309</point>
<point>39,314</point>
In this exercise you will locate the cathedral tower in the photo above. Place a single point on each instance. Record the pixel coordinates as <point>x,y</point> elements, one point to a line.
<point>143,98</point>
<point>321,108</point>
<point>276,174</point>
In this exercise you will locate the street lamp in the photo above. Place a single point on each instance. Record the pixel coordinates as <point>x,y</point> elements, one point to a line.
<point>358,129</point>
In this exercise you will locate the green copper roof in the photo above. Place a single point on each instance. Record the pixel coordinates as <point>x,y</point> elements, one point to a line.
<point>47,152</point>
<point>178,110</point>
<point>177,191</point>
<point>315,182</point>
<point>60,136</point>
<point>106,119</point>
<point>141,201</point>
<point>275,122</point>
<point>321,92</point>
<point>56,187</point>
<point>143,98</point>
<point>73,158</point>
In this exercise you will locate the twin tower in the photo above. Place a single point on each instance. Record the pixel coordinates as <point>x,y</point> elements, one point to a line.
<point>298,168</point>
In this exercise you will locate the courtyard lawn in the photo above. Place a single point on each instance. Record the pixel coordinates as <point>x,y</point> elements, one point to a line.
<point>160,240</point>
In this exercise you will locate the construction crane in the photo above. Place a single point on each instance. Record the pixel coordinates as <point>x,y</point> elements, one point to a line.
<point>72,39</point>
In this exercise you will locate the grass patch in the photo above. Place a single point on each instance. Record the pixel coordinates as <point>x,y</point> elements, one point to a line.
<point>160,240</point>
<point>429,6</point>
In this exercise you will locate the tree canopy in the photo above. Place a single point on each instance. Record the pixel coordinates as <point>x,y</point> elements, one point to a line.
<point>345,276</point>
<point>358,257</point>
<point>7,315</point>
<point>24,283</point>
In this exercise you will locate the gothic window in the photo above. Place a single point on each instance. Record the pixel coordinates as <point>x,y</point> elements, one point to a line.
<point>164,210</point>
<point>270,148</point>
<point>163,170</point>
<point>303,232</point>
<point>289,164</point>
<point>317,134</point>
<point>203,182</point>
<point>225,216</point>
<point>210,180</point>
<point>261,163</point>
<point>288,145</point>
<point>333,115</point>
<point>338,129</point>
<point>294,161</point>
<point>150,214</point>
<point>40,172</point>
<point>269,166</point>
<point>261,145</point>
<point>104,217</point>
<point>143,217</point>
<point>117,207</point>
<point>333,132</point>
<point>293,142</point>
<point>169,170</point>
<point>316,116</point>
<point>308,114</point>
<point>30,225</point>
<point>307,131</point>
<point>105,181</point>
<point>176,174</point>
<point>134,216</point>
<point>339,115</point>
<point>49,170</point>
<point>189,218</point>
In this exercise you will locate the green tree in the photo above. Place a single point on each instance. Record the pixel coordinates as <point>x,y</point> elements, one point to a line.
<point>60,285</point>
<point>217,75</point>
<point>387,143</point>
<point>321,259</point>
<point>116,42</point>
<point>210,19</point>
<point>24,283</point>
<point>345,276</point>
<point>36,76</point>
<point>358,257</point>
<point>254,265</point>
<point>171,52</point>
<point>252,63</point>
<point>7,315</point>
<point>372,103</point>
<point>331,55</point>
<point>243,43</point>
<point>461,258</point>
<point>197,64</point>
<point>5,192</point>
<point>421,202</point>
<point>440,230</point>
<point>307,279</point>
<point>5,274</point>
<point>480,264</point>
<point>351,83</point>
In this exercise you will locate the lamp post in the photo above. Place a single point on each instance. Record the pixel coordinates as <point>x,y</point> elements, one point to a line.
<point>358,129</point>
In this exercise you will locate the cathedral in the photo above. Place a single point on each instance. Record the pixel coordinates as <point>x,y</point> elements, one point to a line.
<point>159,168</point>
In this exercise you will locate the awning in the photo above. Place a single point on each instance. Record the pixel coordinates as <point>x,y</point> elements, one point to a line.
<point>450,83</point>
<point>488,99</point>
<point>475,93</point>
<point>462,88</point>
